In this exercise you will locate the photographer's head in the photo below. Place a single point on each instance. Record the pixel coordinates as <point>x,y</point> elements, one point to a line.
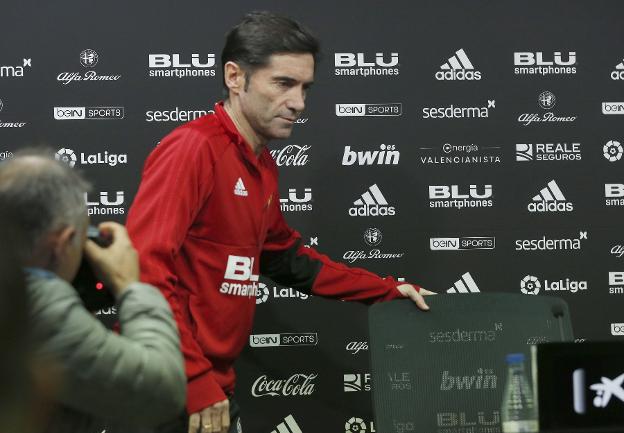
<point>268,65</point>
<point>47,199</point>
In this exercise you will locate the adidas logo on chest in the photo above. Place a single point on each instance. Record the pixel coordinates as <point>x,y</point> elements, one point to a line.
<point>239,188</point>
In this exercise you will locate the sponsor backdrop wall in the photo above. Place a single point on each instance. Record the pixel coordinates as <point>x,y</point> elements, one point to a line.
<point>465,146</point>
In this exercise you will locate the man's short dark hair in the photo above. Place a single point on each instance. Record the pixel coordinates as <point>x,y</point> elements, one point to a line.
<point>42,194</point>
<point>262,34</point>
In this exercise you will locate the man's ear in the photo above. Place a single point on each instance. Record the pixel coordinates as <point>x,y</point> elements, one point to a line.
<point>234,77</point>
<point>63,239</point>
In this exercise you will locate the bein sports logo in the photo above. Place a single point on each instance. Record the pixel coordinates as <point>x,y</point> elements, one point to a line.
<point>605,390</point>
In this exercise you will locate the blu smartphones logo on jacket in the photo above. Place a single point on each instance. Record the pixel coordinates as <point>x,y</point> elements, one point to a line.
<point>240,268</point>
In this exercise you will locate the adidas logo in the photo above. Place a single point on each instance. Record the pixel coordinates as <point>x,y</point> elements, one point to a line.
<point>618,74</point>
<point>458,67</point>
<point>464,285</point>
<point>550,199</point>
<point>372,203</point>
<point>239,188</point>
<point>288,426</point>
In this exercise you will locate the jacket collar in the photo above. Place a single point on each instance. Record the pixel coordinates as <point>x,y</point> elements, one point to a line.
<point>238,139</point>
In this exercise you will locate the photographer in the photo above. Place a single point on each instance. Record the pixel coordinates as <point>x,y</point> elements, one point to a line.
<point>130,381</point>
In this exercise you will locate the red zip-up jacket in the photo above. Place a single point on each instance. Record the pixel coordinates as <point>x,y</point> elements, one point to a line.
<point>206,222</point>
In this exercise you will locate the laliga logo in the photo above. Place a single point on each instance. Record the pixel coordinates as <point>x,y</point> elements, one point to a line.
<point>263,294</point>
<point>530,285</point>
<point>67,156</point>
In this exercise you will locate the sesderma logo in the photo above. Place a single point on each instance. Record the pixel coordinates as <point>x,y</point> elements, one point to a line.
<point>372,203</point>
<point>16,71</point>
<point>458,67</point>
<point>464,285</point>
<point>545,244</point>
<point>550,199</point>
<point>453,112</point>
<point>358,64</point>
<point>548,152</point>
<point>375,110</point>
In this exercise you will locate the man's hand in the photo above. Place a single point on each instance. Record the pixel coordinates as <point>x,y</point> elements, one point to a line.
<point>409,291</point>
<point>213,419</point>
<point>118,264</point>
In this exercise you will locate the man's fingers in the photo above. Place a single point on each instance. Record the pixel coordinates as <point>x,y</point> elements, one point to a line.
<point>425,292</point>
<point>215,419</point>
<point>225,419</point>
<point>420,302</point>
<point>193,426</point>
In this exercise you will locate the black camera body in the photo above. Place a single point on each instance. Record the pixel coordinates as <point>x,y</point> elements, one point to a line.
<point>94,294</point>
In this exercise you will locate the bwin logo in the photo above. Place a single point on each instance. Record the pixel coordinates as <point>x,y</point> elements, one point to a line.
<point>386,155</point>
<point>483,379</point>
<point>349,60</point>
<point>173,61</point>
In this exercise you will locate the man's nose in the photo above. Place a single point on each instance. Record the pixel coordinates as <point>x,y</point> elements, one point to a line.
<point>296,100</point>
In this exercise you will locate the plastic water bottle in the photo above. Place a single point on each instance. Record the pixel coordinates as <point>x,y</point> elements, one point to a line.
<point>518,413</point>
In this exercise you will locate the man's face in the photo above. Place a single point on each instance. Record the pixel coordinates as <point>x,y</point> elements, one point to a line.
<point>275,94</point>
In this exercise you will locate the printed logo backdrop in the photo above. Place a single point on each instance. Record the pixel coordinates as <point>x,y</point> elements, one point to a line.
<point>465,146</point>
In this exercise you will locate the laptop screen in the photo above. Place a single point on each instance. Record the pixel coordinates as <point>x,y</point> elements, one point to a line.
<point>580,386</point>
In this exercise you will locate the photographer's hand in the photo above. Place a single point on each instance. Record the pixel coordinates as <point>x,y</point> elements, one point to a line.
<point>118,264</point>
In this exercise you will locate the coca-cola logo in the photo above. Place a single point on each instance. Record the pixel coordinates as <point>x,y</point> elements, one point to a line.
<point>296,385</point>
<point>617,251</point>
<point>291,156</point>
<point>355,346</point>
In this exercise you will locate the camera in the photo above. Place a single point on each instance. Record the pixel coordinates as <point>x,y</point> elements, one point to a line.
<point>92,291</point>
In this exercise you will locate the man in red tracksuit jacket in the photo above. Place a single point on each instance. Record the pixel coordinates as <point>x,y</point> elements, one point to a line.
<point>206,220</point>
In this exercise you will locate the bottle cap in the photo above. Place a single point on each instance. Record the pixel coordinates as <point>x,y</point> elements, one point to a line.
<point>513,358</point>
